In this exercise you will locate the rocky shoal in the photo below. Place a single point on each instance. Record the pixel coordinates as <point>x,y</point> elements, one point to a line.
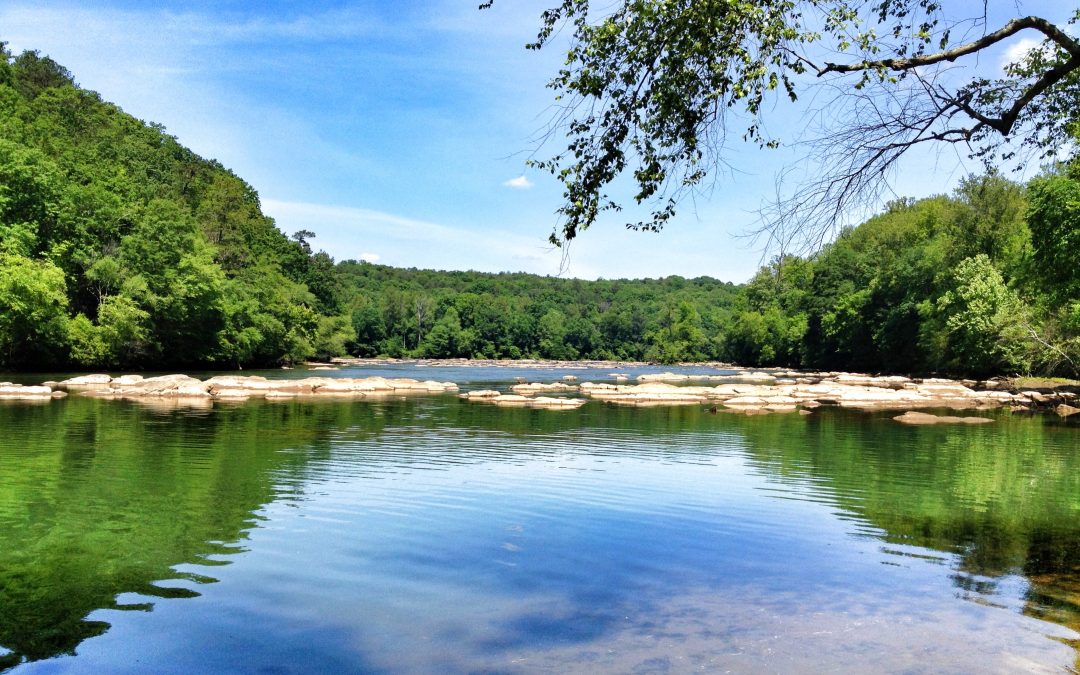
<point>234,387</point>
<point>523,401</point>
<point>746,391</point>
<point>790,397</point>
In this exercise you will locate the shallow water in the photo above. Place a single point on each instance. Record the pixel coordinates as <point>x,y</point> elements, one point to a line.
<point>430,534</point>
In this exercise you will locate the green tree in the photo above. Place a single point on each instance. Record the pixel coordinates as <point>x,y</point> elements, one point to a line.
<point>1054,219</point>
<point>33,312</point>
<point>444,340</point>
<point>553,343</point>
<point>34,73</point>
<point>985,320</point>
<point>370,331</point>
<point>120,338</point>
<point>183,286</point>
<point>28,198</point>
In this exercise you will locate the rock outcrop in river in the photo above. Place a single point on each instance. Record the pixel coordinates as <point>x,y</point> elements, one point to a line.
<point>21,392</point>
<point>745,391</point>
<point>845,390</point>
<point>234,387</point>
<point>522,401</point>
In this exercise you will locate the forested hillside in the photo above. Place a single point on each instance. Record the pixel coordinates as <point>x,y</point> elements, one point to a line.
<point>120,248</point>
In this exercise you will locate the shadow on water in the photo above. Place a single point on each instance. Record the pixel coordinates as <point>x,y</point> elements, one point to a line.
<point>104,499</point>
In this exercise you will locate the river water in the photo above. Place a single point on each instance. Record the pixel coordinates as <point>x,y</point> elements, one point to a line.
<point>431,534</point>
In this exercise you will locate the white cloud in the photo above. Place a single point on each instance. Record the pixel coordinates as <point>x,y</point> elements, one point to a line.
<point>519,183</point>
<point>1016,52</point>
<point>370,257</point>
<point>688,249</point>
<point>406,242</point>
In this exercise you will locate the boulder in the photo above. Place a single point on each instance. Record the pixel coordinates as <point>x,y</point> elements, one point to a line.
<point>221,382</point>
<point>96,379</point>
<point>1065,410</point>
<point>17,391</point>
<point>662,377</point>
<point>279,395</point>
<point>168,386</point>
<point>536,387</point>
<point>509,399</point>
<point>480,394</point>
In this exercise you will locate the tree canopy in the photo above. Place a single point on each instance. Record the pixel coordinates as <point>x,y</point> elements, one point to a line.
<point>654,91</point>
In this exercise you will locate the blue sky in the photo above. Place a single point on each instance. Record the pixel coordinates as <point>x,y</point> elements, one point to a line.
<point>398,131</point>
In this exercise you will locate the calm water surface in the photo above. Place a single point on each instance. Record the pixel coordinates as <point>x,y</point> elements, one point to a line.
<point>436,535</point>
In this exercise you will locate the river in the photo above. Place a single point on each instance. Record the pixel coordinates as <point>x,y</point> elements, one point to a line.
<point>432,534</point>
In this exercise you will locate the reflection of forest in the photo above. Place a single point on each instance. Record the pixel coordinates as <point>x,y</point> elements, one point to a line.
<point>1055,587</point>
<point>105,497</point>
<point>1004,498</point>
<point>101,498</point>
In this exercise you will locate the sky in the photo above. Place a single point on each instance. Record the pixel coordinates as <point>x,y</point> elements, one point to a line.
<point>398,131</point>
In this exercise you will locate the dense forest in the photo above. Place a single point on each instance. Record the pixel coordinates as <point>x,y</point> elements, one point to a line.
<point>986,281</point>
<point>120,248</point>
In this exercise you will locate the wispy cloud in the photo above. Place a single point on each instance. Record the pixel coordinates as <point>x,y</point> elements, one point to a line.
<point>348,232</point>
<point>190,28</point>
<point>519,183</point>
<point>1016,52</point>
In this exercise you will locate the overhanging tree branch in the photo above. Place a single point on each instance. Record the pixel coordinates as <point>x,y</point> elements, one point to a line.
<point>1008,30</point>
<point>655,86</point>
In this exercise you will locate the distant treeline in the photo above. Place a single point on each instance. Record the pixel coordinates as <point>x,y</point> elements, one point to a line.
<point>120,248</point>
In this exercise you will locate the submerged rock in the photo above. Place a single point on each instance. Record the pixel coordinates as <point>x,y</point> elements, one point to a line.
<point>519,401</point>
<point>920,418</point>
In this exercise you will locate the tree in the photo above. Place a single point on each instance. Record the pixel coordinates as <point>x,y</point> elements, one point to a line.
<point>35,73</point>
<point>987,329</point>
<point>33,311</point>
<point>653,90</point>
<point>1054,219</point>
